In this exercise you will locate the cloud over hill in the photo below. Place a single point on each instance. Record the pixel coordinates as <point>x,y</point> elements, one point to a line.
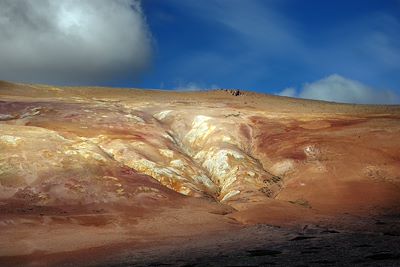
<point>339,89</point>
<point>80,41</point>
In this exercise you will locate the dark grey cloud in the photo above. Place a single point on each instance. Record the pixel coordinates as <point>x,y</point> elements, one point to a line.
<point>73,41</point>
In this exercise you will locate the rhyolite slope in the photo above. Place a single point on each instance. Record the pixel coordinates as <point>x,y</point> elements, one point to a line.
<point>87,145</point>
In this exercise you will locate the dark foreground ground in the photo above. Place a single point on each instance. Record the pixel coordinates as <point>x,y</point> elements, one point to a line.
<point>343,249</point>
<point>357,242</point>
<point>363,242</point>
<point>340,240</point>
<point>281,247</point>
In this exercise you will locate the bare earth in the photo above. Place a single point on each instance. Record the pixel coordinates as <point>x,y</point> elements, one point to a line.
<point>129,177</point>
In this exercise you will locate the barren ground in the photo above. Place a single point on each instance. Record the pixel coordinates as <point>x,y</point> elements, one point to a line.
<point>129,177</point>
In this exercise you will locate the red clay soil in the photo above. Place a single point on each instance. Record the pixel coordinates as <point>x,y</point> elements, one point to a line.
<point>99,177</point>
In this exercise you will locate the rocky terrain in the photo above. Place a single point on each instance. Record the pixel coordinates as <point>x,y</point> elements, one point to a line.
<point>200,178</point>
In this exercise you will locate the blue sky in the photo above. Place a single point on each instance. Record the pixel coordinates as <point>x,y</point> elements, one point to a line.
<point>270,45</point>
<point>267,46</point>
<point>344,51</point>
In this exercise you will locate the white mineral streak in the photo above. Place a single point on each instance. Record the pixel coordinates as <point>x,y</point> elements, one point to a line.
<point>311,151</point>
<point>168,136</point>
<point>177,163</point>
<point>226,139</point>
<point>6,117</point>
<point>205,181</point>
<point>86,150</point>
<point>230,195</point>
<point>162,114</point>
<point>175,175</point>
<point>282,167</point>
<point>217,164</point>
<point>200,129</point>
<point>166,153</point>
<point>134,117</point>
<point>10,140</point>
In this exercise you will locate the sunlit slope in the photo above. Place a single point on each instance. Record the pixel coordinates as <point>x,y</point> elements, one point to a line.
<point>95,145</point>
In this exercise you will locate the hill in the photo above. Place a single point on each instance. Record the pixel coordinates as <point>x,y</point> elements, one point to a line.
<point>85,170</point>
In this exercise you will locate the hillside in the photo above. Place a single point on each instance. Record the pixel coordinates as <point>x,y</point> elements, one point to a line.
<point>87,167</point>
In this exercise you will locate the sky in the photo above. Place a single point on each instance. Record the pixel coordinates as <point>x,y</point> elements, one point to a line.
<point>342,51</point>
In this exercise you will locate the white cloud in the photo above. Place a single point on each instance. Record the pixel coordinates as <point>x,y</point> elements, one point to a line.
<point>191,86</point>
<point>339,89</point>
<point>72,41</point>
<point>290,92</point>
